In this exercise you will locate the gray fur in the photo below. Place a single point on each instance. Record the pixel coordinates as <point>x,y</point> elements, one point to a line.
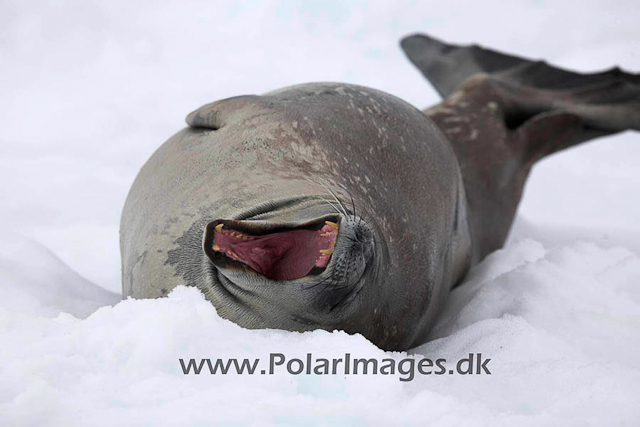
<point>421,196</point>
<point>295,144</point>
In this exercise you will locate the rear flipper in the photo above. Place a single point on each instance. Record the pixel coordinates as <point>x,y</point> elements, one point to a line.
<point>502,113</point>
<point>535,97</point>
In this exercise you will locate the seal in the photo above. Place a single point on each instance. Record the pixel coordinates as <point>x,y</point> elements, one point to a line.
<point>335,206</point>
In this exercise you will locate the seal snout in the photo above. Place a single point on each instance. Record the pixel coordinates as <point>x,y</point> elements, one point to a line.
<point>278,252</point>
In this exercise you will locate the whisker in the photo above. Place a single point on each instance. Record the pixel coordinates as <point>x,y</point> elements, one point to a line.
<point>331,277</point>
<point>344,209</point>
<point>331,204</point>
<point>351,239</point>
<point>319,283</point>
<point>353,204</point>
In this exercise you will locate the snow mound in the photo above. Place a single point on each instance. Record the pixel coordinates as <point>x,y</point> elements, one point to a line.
<point>557,323</point>
<point>35,281</point>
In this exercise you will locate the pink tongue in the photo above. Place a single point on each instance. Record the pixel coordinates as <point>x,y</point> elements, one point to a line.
<point>286,255</point>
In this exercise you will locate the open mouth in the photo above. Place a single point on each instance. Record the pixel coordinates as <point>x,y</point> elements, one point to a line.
<point>276,252</point>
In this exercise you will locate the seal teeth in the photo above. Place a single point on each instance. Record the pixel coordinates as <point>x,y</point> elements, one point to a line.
<point>326,252</point>
<point>219,227</point>
<point>216,248</point>
<point>332,225</point>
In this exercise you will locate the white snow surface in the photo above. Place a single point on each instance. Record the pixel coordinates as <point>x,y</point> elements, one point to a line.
<point>89,90</point>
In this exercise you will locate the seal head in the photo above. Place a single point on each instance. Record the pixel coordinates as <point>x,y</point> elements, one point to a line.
<point>317,206</point>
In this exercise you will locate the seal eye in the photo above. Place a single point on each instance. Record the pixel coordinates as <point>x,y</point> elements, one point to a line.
<point>282,255</point>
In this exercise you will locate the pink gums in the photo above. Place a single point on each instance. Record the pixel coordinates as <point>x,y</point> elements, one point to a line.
<point>286,255</point>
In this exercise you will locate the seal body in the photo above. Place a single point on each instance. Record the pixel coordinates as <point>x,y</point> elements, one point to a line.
<point>388,164</point>
<point>337,206</point>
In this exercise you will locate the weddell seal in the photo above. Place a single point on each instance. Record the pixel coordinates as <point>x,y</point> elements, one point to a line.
<point>335,206</point>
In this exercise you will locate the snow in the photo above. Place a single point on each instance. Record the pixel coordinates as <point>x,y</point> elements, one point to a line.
<point>93,88</point>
